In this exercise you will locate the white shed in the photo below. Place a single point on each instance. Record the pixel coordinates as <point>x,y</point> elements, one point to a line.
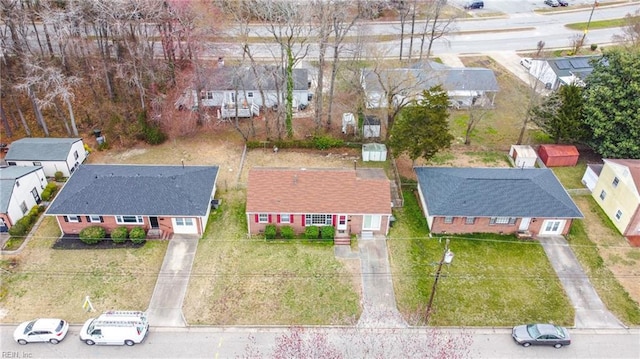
<point>590,177</point>
<point>374,152</point>
<point>523,156</point>
<point>371,127</point>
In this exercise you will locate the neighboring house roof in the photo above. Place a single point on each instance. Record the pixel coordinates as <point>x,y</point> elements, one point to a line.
<point>40,149</point>
<point>8,177</point>
<point>426,75</point>
<point>136,190</point>
<point>632,165</point>
<point>495,192</point>
<point>596,168</point>
<point>579,66</point>
<point>288,190</point>
<point>231,78</point>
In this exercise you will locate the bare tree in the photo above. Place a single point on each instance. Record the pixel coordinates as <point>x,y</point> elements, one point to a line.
<point>537,73</point>
<point>630,31</point>
<point>435,26</point>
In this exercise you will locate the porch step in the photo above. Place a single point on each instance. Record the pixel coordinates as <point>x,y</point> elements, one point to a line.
<point>342,241</point>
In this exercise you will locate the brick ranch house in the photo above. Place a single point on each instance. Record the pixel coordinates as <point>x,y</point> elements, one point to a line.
<point>354,201</point>
<point>529,201</point>
<point>164,200</point>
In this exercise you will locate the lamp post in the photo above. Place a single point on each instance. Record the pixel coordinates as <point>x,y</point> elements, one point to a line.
<point>584,34</point>
<point>447,257</point>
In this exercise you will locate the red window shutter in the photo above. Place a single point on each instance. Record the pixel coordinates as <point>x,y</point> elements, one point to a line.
<point>334,220</point>
<point>269,219</point>
<point>88,218</point>
<point>302,217</point>
<point>257,219</point>
<point>277,218</point>
<point>66,219</point>
<point>79,218</point>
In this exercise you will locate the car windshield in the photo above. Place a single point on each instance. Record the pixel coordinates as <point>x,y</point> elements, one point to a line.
<point>559,332</point>
<point>533,331</point>
<point>60,325</point>
<point>29,326</point>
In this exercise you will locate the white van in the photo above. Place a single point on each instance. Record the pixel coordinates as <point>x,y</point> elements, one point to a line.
<point>116,327</point>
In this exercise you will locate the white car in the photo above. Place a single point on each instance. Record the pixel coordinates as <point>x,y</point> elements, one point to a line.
<point>41,330</point>
<point>526,63</point>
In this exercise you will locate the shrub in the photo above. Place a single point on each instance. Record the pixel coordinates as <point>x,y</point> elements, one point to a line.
<point>594,47</point>
<point>58,176</point>
<point>103,146</point>
<point>138,235</point>
<point>311,232</point>
<point>26,221</point>
<point>287,232</point>
<point>119,235</point>
<point>327,232</point>
<point>270,231</point>
<point>324,142</point>
<point>18,229</point>
<point>34,211</point>
<point>46,195</point>
<point>93,234</point>
<point>151,132</point>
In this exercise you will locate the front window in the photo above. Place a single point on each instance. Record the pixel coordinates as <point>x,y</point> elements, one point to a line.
<point>263,218</point>
<point>448,220</point>
<point>285,218</point>
<point>95,219</point>
<point>502,220</point>
<point>470,220</point>
<point>318,219</point>
<point>615,182</point>
<point>184,221</point>
<point>23,207</point>
<point>129,220</point>
<point>73,219</point>
<point>618,214</point>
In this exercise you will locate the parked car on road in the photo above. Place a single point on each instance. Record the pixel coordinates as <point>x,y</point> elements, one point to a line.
<point>116,327</point>
<point>563,2</point>
<point>41,330</point>
<point>474,5</point>
<point>552,3</point>
<point>526,62</point>
<point>541,334</point>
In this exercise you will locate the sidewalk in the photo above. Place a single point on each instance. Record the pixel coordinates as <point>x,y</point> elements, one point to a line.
<point>165,307</point>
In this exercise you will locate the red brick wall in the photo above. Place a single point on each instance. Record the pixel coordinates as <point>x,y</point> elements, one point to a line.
<point>6,220</point>
<point>482,225</point>
<point>109,224</point>
<point>354,224</point>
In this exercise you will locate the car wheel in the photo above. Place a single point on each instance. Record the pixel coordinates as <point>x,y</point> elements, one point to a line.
<point>526,344</point>
<point>22,342</point>
<point>89,342</point>
<point>54,341</point>
<point>129,342</point>
<point>558,346</point>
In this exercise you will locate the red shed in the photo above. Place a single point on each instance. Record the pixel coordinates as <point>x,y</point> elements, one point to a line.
<point>558,155</point>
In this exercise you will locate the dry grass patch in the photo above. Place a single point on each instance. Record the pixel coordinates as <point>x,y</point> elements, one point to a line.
<point>55,282</point>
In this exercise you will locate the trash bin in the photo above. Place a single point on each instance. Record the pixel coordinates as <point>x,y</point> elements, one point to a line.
<point>97,133</point>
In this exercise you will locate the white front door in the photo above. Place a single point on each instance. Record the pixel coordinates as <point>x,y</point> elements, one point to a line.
<point>552,226</point>
<point>185,225</point>
<point>342,222</point>
<point>524,224</point>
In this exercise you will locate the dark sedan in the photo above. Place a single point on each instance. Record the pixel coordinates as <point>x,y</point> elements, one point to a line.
<point>541,334</point>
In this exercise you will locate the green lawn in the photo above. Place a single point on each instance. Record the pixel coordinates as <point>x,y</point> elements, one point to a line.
<point>493,280</point>
<point>600,24</point>
<point>54,282</point>
<point>241,281</point>
<point>571,177</point>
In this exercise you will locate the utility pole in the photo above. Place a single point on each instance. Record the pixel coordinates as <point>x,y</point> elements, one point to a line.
<point>584,34</point>
<point>447,257</point>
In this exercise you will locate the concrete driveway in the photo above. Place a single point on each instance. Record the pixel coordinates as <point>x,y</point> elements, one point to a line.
<point>591,313</point>
<point>165,307</point>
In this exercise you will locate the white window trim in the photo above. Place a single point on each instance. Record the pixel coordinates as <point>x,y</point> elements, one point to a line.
<point>618,215</point>
<point>263,218</point>
<point>73,219</point>
<point>309,219</point>
<point>283,216</point>
<point>603,195</point>
<point>94,219</point>
<point>120,220</point>
<point>448,219</point>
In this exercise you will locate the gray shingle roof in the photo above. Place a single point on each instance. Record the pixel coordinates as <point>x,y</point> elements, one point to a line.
<point>577,65</point>
<point>40,149</point>
<point>229,78</point>
<point>136,190</point>
<point>8,177</point>
<point>495,192</point>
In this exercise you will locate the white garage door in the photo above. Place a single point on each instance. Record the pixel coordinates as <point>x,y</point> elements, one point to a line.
<point>552,226</point>
<point>185,225</point>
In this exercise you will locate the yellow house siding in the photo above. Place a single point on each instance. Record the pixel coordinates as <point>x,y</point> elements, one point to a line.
<point>624,197</point>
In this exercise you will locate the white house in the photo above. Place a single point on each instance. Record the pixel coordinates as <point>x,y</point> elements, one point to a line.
<point>53,154</point>
<point>559,71</point>
<point>465,86</point>
<point>226,86</point>
<point>20,189</point>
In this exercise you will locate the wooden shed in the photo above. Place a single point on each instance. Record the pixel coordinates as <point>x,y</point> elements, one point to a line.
<point>523,156</point>
<point>558,155</point>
